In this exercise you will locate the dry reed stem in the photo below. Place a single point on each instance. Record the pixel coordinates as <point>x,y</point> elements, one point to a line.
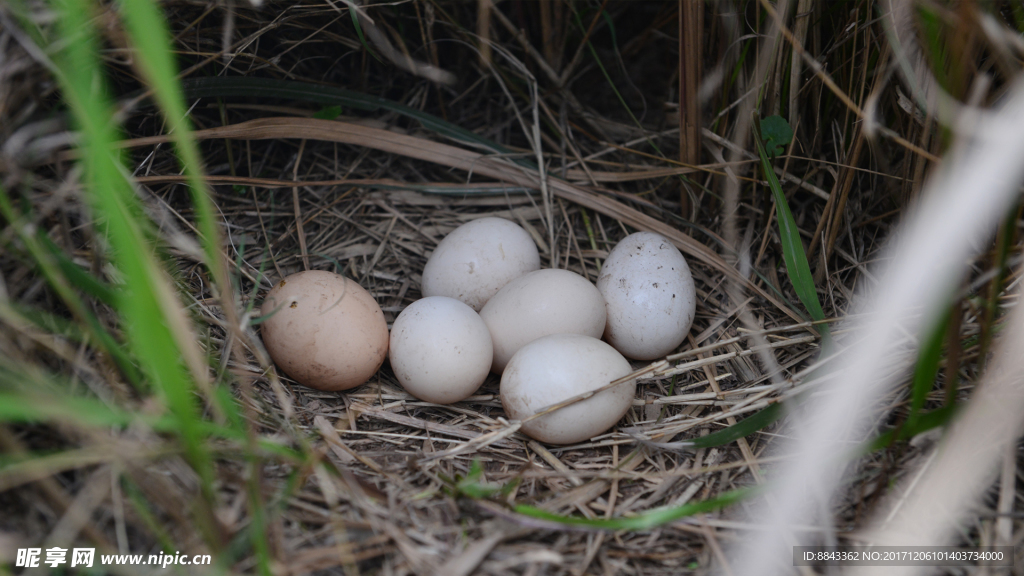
<point>963,465</point>
<point>922,272</point>
<point>471,162</point>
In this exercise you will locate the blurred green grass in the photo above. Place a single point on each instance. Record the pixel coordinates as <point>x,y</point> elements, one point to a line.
<point>158,350</point>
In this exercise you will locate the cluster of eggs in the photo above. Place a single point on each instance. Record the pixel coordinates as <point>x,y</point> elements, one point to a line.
<point>488,307</point>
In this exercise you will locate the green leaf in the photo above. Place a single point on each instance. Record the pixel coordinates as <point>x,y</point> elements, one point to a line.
<point>328,113</point>
<point>797,268</point>
<point>776,133</point>
<point>473,484</point>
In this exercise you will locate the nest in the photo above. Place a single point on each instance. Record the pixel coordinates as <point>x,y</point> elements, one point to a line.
<point>386,483</point>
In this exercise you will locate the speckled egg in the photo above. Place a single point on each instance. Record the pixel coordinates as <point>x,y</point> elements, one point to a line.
<point>650,296</point>
<point>324,330</point>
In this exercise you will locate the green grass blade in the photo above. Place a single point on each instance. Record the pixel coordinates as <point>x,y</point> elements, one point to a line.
<point>48,258</point>
<point>150,518</point>
<point>21,316</point>
<point>31,397</point>
<point>149,308</point>
<point>148,33</point>
<point>76,275</point>
<point>797,268</point>
<point>17,314</point>
<point>362,37</point>
<point>645,521</point>
<point>24,408</point>
<point>925,372</point>
<point>923,423</point>
<point>1006,238</point>
<point>741,429</point>
<point>927,368</point>
<point>28,394</point>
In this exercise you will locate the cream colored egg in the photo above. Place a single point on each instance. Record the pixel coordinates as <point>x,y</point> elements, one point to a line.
<point>477,259</point>
<point>650,294</point>
<point>544,302</point>
<point>440,350</point>
<point>325,330</point>
<point>555,368</point>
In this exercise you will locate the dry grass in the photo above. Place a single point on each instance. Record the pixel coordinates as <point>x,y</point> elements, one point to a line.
<point>371,193</point>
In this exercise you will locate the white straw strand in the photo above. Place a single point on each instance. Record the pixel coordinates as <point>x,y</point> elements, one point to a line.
<point>961,205</point>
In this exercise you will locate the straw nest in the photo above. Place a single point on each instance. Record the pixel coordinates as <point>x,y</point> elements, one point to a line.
<point>395,485</point>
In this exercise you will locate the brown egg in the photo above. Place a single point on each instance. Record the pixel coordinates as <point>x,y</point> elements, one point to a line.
<point>327,332</point>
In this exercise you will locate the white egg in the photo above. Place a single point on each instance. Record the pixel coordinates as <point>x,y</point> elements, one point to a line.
<point>477,259</point>
<point>549,301</point>
<point>650,295</point>
<point>440,350</point>
<point>555,368</point>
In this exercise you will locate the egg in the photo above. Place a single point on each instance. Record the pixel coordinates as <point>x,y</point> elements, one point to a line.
<point>650,295</point>
<point>324,330</point>
<point>440,350</point>
<point>555,368</point>
<point>543,302</point>
<point>477,259</point>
